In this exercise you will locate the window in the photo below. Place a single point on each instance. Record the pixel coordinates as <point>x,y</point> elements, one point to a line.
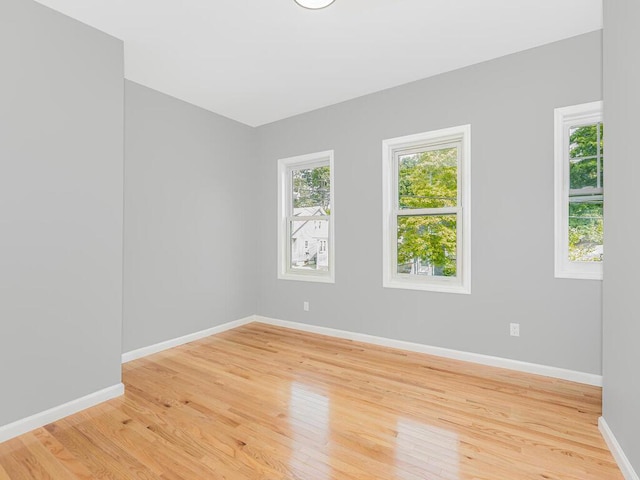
<point>305,217</point>
<point>426,214</point>
<point>579,191</point>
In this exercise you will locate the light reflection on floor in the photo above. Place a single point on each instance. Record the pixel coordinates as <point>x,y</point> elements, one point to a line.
<point>310,423</point>
<point>262,403</point>
<point>418,448</point>
<point>424,448</point>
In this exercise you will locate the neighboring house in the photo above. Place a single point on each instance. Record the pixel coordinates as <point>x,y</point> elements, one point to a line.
<point>309,240</point>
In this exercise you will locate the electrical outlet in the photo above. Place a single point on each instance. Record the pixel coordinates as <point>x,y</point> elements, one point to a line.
<point>305,306</point>
<point>514,329</point>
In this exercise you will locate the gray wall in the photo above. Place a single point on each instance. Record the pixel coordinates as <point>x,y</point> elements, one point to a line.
<point>190,219</point>
<point>199,225</point>
<point>621,334</point>
<point>61,166</point>
<point>509,102</point>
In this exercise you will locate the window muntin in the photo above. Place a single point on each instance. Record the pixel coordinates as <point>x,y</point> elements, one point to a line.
<point>579,177</point>
<point>305,236</point>
<point>427,214</point>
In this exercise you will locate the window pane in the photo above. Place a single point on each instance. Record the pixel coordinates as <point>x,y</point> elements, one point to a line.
<point>311,191</point>
<point>583,173</point>
<point>428,179</point>
<point>427,245</point>
<point>583,141</point>
<point>310,245</point>
<point>585,231</point>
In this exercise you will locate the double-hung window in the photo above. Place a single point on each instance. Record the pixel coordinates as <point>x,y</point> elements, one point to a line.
<point>579,191</point>
<point>305,218</point>
<point>426,211</point>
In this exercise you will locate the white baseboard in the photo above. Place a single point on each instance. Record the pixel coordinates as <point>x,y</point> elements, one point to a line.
<point>571,375</point>
<point>41,419</point>
<point>25,425</point>
<point>175,342</point>
<point>537,369</point>
<point>618,454</point>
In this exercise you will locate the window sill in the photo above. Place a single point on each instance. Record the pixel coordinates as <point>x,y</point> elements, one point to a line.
<point>428,287</point>
<point>579,275</point>
<point>307,277</point>
<point>577,270</point>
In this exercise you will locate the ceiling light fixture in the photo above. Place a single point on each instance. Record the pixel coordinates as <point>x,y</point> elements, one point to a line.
<point>314,4</point>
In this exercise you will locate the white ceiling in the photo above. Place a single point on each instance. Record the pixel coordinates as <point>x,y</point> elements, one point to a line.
<point>257,61</point>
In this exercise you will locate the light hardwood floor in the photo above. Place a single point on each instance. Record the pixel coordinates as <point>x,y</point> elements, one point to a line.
<point>263,402</point>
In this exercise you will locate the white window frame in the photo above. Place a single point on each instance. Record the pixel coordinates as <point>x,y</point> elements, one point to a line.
<point>565,119</point>
<point>461,137</point>
<point>285,204</point>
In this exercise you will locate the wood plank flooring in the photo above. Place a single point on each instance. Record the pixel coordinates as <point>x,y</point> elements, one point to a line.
<point>268,403</point>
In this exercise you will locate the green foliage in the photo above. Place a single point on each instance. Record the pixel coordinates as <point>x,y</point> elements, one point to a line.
<point>428,180</point>
<point>585,231</point>
<point>312,187</point>
<point>427,241</point>
<point>584,143</point>
<point>586,218</point>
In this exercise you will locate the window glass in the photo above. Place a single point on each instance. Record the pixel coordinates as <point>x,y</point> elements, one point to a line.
<point>426,216</point>
<point>579,191</point>
<point>427,245</point>
<point>305,234</point>
<point>428,179</point>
